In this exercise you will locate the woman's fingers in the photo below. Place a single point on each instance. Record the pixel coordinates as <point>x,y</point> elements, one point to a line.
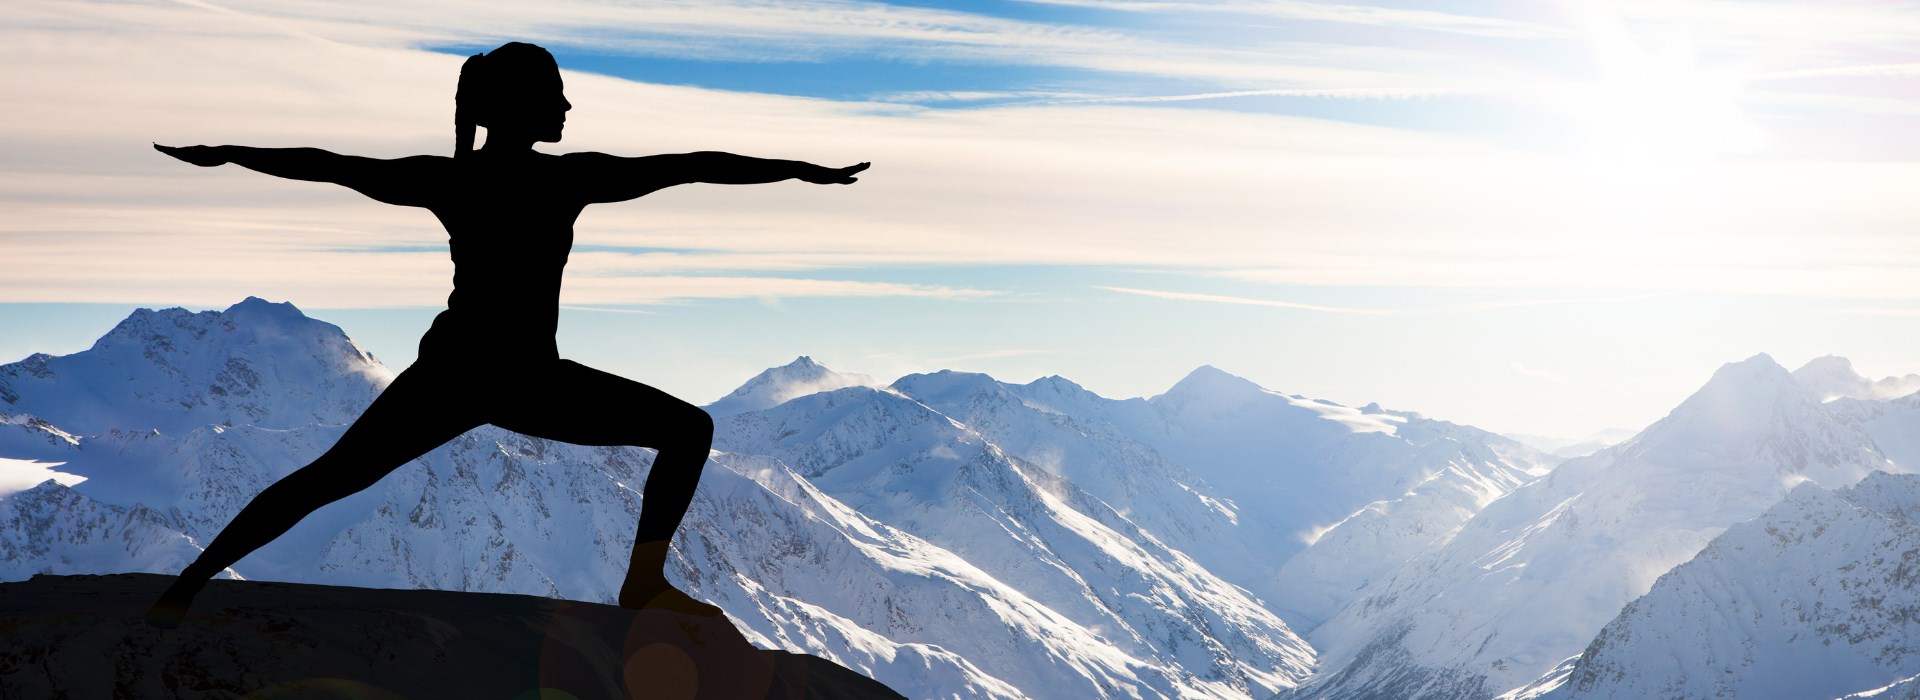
<point>202,156</point>
<point>846,173</point>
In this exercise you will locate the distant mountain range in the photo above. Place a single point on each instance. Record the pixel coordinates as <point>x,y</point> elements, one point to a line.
<point>952,535</point>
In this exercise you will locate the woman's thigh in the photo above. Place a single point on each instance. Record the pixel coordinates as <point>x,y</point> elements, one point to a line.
<point>571,402</point>
<point>422,409</point>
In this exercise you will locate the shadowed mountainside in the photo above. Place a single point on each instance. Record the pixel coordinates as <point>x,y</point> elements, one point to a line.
<point>83,636</point>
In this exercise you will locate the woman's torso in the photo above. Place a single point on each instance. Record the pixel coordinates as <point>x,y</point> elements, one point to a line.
<point>510,227</point>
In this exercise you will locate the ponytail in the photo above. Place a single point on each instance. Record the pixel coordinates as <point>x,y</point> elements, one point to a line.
<point>491,82</point>
<point>466,104</point>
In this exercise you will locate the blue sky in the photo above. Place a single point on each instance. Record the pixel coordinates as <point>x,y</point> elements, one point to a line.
<point>1543,216</point>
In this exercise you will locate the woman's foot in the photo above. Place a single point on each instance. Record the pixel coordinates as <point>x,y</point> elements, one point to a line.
<point>171,609</point>
<point>647,589</point>
<point>657,594</point>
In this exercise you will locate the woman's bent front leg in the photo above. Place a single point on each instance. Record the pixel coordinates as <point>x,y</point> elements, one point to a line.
<point>584,406</point>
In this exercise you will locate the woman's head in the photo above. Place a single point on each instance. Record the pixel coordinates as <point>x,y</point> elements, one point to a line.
<point>513,90</point>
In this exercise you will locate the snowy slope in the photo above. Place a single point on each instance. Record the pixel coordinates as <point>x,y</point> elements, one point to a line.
<point>1373,485</point>
<point>1816,598</point>
<point>1530,579</point>
<point>1240,477</point>
<point>52,528</point>
<point>1059,427</point>
<point>1894,425</point>
<point>1184,630</point>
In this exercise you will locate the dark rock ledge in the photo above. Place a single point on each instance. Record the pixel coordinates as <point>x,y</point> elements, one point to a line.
<point>84,637</point>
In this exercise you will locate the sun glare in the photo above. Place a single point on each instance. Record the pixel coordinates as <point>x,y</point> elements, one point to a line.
<point>1657,110</point>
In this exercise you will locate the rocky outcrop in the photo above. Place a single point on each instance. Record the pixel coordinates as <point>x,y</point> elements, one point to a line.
<point>84,636</point>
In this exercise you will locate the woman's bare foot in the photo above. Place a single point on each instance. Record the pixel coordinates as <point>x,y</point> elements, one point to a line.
<point>647,589</point>
<point>168,612</point>
<point>657,594</point>
<point>671,599</point>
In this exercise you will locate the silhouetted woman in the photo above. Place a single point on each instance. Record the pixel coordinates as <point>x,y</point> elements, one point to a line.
<point>490,357</point>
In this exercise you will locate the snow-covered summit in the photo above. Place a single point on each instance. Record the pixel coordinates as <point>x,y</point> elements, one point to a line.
<point>1831,376</point>
<point>947,387</point>
<point>1209,395</point>
<point>778,385</point>
<point>1530,579</point>
<point>1752,417</point>
<point>1211,384</point>
<point>256,363</point>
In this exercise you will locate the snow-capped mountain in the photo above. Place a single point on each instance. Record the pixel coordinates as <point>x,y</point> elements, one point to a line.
<point>781,384</point>
<point>1531,578</point>
<point>956,536</point>
<point>1813,599</point>
<point>900,461</point>
<point>1831,377</point>
<point>1339,495</point>
<point>177,438</point>
<point>257,363</point>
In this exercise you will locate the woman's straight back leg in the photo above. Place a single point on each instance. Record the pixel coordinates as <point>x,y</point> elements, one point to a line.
<point>423,408</point>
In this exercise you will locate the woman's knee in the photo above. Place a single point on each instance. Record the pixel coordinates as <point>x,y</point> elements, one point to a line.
<point>699,427</point>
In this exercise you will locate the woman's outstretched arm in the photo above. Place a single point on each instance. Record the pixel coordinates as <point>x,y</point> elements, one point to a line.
<point>403,181</point>
<point>605,178</point>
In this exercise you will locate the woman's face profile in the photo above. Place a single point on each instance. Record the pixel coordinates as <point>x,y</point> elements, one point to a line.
<point>537,109</point>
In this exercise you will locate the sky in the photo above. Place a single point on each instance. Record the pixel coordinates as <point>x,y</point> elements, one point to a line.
<point>1537,216</point>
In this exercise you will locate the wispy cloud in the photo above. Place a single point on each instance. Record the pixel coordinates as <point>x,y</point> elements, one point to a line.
<point>1379,93</point>
<point>1886,312</point>
<point>999,354</point>
<point>1888,70</point>
<point>1245,301</point>
<point>94,215</point>
<point>1537,373</point>
<point>1344,13</point>
<point>1526,303</point>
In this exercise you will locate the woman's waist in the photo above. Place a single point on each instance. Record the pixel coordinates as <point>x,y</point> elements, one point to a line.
<point>499,333</point>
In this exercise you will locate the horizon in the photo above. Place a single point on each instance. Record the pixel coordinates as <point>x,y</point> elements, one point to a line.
<point>1535,218</point>
<point>1543,442</point>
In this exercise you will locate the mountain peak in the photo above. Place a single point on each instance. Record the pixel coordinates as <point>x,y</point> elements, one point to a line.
<point>1754,413</point>
<point>1830,377</point>
<point>257,363</point>
<point>1212,383</point>
<point>1757,373</point>
<point>946,387</point>
<point>258,307</point>
<point>777,385</point>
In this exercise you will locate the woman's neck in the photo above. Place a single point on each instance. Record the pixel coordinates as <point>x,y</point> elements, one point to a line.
<point>507,144</point>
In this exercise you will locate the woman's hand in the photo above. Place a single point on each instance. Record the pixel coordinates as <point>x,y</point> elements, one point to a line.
<point>203,156</point>
<point>835,176</point>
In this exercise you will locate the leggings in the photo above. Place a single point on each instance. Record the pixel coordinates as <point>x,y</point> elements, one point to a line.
<point>435,401</point>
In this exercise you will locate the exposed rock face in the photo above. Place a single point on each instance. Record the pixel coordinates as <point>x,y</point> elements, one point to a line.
<point>83,636</point>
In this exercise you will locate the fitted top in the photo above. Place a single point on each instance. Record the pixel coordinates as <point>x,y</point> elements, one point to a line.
<point>509,228</point>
